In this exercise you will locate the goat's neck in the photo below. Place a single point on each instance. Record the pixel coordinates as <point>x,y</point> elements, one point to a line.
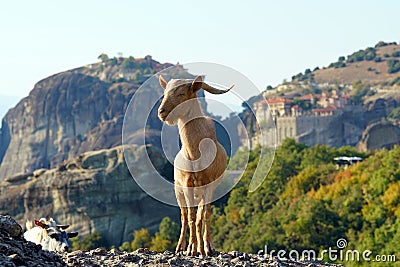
<point>191,136</point>
<point>194,111</point>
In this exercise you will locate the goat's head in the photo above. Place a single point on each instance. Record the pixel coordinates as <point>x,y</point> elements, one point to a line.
<point>177,96</point>
<point>57,238</point>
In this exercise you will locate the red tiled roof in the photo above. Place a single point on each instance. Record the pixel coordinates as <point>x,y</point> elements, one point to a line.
<point>279,100</point>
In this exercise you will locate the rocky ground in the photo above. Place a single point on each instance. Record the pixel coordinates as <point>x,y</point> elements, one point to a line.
<point>144,257</point>
<point>16,251</point>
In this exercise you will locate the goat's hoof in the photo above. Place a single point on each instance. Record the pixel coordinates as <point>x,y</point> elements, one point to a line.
<point>209,249</point>
<point>191,250</point>
<point>180,248</point>
<point>201,252</point>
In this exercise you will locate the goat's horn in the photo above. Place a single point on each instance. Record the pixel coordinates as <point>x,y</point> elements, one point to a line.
<point>215,91</point>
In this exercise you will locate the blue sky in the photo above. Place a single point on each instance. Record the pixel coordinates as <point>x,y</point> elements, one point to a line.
<point>267,41</point>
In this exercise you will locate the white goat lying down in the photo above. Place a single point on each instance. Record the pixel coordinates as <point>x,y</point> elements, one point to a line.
<point>49,234</point>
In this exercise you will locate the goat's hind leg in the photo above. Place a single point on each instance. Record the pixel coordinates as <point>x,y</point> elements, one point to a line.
<point>180,197</point>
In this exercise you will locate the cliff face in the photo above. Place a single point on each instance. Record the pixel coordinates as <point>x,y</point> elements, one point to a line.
<point>62,117</point>
<point>382,134</point>
<point>92,192</point>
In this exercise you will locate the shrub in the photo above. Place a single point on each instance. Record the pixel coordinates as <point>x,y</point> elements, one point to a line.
<point>141,239</point>
<point>128,63</point>
<point>396,54</point>
<point>394,65</point>
<point>103,57</point>
<point>94,240</point>
<point>367,54</point>
<point>382,43</point>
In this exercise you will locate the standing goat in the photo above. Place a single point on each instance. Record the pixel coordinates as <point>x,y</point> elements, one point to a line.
<point>200,162</point>
<point>49,235</point>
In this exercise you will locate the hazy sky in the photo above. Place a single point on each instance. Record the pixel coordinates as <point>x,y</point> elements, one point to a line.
<point>265,40</point>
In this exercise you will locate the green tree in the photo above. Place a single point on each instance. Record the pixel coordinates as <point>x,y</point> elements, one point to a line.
<point>103,57</point>
<point>167,236</point>
<point>128,63</point>
<point>94,240</point>
<point>169,230</point>
<point>126,246</point>
<point>359,91</point>
<point>160,245</point>
<point>141,239</point>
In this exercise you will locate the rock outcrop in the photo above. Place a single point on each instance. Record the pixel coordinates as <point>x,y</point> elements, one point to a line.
<point>94,192</point>
<point>16,251</point>
<point>383,134</point>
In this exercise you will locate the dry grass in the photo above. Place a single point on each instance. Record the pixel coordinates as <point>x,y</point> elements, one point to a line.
<point>370,72</point>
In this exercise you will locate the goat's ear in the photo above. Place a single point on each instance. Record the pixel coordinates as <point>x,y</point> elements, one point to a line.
<point>61,226</point>
<point>197,84</point>
<point>162,81</point>
<point>40,224</point>
<point>72,234</point>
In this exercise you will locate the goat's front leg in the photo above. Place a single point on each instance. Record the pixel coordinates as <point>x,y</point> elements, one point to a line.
<point>199,227</point>
<point>192,246</point>
<point>184,220</point>
<point>208,246</point>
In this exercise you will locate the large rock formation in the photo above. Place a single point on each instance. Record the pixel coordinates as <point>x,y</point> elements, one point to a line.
<point>92,192</point>
<point>383,134</point>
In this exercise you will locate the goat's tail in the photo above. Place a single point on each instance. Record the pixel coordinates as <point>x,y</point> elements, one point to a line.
<point>29,225</point>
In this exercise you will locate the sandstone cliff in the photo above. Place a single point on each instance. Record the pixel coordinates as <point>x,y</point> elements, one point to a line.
<point>94,191</point>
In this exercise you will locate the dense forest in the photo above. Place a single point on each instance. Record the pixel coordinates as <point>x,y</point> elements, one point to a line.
<point>306,203</point>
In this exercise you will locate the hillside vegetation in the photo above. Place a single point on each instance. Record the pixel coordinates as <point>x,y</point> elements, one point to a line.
<point>306,203</point>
